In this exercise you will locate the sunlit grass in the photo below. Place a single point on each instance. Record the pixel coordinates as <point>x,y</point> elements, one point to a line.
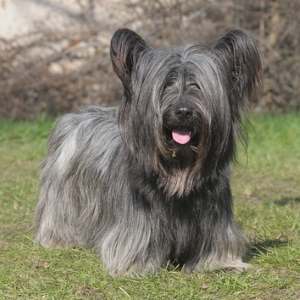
<point>266,186</point>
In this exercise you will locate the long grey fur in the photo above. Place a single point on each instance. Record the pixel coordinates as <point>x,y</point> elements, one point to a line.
<point>113,179</point>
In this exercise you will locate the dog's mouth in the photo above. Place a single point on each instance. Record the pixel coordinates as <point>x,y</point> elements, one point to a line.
<point>181,136</point>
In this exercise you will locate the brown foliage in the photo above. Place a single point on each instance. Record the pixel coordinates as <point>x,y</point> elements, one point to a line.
<point>57,71</point>
<point>53,72</point>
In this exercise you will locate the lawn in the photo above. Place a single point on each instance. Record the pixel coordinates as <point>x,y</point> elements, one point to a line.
<point>266,186</point>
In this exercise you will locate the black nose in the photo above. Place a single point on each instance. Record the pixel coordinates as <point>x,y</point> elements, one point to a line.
<point>184,112</point>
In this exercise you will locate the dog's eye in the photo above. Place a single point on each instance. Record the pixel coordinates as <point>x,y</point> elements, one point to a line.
<point>194,86</point>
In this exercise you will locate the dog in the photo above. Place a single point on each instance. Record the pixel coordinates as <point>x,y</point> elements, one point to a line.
<point>147,184</point>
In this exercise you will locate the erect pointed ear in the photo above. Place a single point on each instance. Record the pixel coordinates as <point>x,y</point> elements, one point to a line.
<point>239,56</point>
<point>126,47</point>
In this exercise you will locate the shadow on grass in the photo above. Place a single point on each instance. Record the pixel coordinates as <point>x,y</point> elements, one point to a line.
<point>285,201</point>
<point>259,248</point>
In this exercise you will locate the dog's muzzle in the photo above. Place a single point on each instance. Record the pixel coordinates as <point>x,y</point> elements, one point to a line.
<point>181,126</point>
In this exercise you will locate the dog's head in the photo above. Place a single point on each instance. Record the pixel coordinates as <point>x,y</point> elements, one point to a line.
<point>182,106</point>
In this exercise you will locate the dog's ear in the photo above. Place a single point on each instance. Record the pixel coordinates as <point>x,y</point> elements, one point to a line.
<point>241,61</point>
<point>125,49</point>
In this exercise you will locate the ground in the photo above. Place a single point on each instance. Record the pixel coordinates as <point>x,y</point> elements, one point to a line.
<point>266,187</point>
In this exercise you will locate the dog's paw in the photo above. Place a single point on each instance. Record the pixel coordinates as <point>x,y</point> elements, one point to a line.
<point>237,266</point>
<point>136,270</point>
<point>234,265</point>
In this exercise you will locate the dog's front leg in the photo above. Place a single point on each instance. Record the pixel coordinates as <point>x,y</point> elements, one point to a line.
<point>221,250</point>
<point>129,248</point>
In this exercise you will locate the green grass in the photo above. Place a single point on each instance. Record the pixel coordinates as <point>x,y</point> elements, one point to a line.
<point>266,186</point>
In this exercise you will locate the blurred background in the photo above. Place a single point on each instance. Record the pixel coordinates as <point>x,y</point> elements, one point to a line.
<point>54,55</point>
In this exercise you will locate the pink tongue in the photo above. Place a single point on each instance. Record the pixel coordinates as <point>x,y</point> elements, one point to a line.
<point>181,137</point>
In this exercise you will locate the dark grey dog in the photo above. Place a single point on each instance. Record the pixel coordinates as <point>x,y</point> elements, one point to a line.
<point>148,184</point>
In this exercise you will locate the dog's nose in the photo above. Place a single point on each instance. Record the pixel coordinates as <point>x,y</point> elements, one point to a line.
<point>183,112</point>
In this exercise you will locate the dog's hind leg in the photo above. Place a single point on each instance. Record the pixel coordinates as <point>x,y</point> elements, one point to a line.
<point>53,221</point>
<point>57,208</point>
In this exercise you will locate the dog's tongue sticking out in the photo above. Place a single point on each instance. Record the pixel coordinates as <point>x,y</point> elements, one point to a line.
<point>181,137</point>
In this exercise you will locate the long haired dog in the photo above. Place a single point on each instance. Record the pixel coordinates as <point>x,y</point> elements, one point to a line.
<point>147,184</point>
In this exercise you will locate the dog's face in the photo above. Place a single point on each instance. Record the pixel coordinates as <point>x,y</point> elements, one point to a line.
<point>182,106</point>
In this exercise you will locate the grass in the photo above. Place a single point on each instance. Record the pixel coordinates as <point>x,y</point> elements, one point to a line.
<point>266,186</point>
